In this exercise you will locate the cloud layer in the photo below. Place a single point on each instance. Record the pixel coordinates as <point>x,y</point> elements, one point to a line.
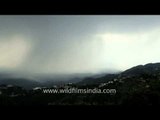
<point>77,44</point>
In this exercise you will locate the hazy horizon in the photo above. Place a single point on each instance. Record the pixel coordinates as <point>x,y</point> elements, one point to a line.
<point>63,44</point>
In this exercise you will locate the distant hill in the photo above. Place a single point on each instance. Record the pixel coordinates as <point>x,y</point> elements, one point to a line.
<point>151,68</point>
<point>140,70</point>
<point>25,83</point>
<point>137,86</point>
<point>92,80</point>
<point>29,82</point>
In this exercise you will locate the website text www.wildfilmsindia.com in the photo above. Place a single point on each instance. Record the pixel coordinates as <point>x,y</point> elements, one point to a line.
<point>79,91</point>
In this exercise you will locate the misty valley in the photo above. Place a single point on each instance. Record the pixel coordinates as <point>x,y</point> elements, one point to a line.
<point>139,85</point>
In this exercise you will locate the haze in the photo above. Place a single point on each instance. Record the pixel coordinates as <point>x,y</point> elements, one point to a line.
<point>61,44</point>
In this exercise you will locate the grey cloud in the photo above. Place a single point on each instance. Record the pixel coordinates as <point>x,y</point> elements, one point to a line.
<point>68,41</point>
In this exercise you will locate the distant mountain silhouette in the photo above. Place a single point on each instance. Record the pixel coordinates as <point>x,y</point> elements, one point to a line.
<point>28,82</point>
<point>137,86</point>
<point>91,80</point>
<point>137,71</point>
<point>150,68</point>
<point>25,83</point>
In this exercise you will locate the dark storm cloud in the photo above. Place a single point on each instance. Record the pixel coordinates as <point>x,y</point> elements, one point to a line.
<point>60,44</point>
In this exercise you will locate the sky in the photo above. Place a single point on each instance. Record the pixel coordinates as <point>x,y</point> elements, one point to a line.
<point>66,44</point>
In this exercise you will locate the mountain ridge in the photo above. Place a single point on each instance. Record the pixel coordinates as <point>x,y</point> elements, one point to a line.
<point>149,69</point>
<point>138,71</point>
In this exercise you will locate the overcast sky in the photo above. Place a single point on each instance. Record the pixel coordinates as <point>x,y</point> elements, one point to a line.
<point>77,44</point>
